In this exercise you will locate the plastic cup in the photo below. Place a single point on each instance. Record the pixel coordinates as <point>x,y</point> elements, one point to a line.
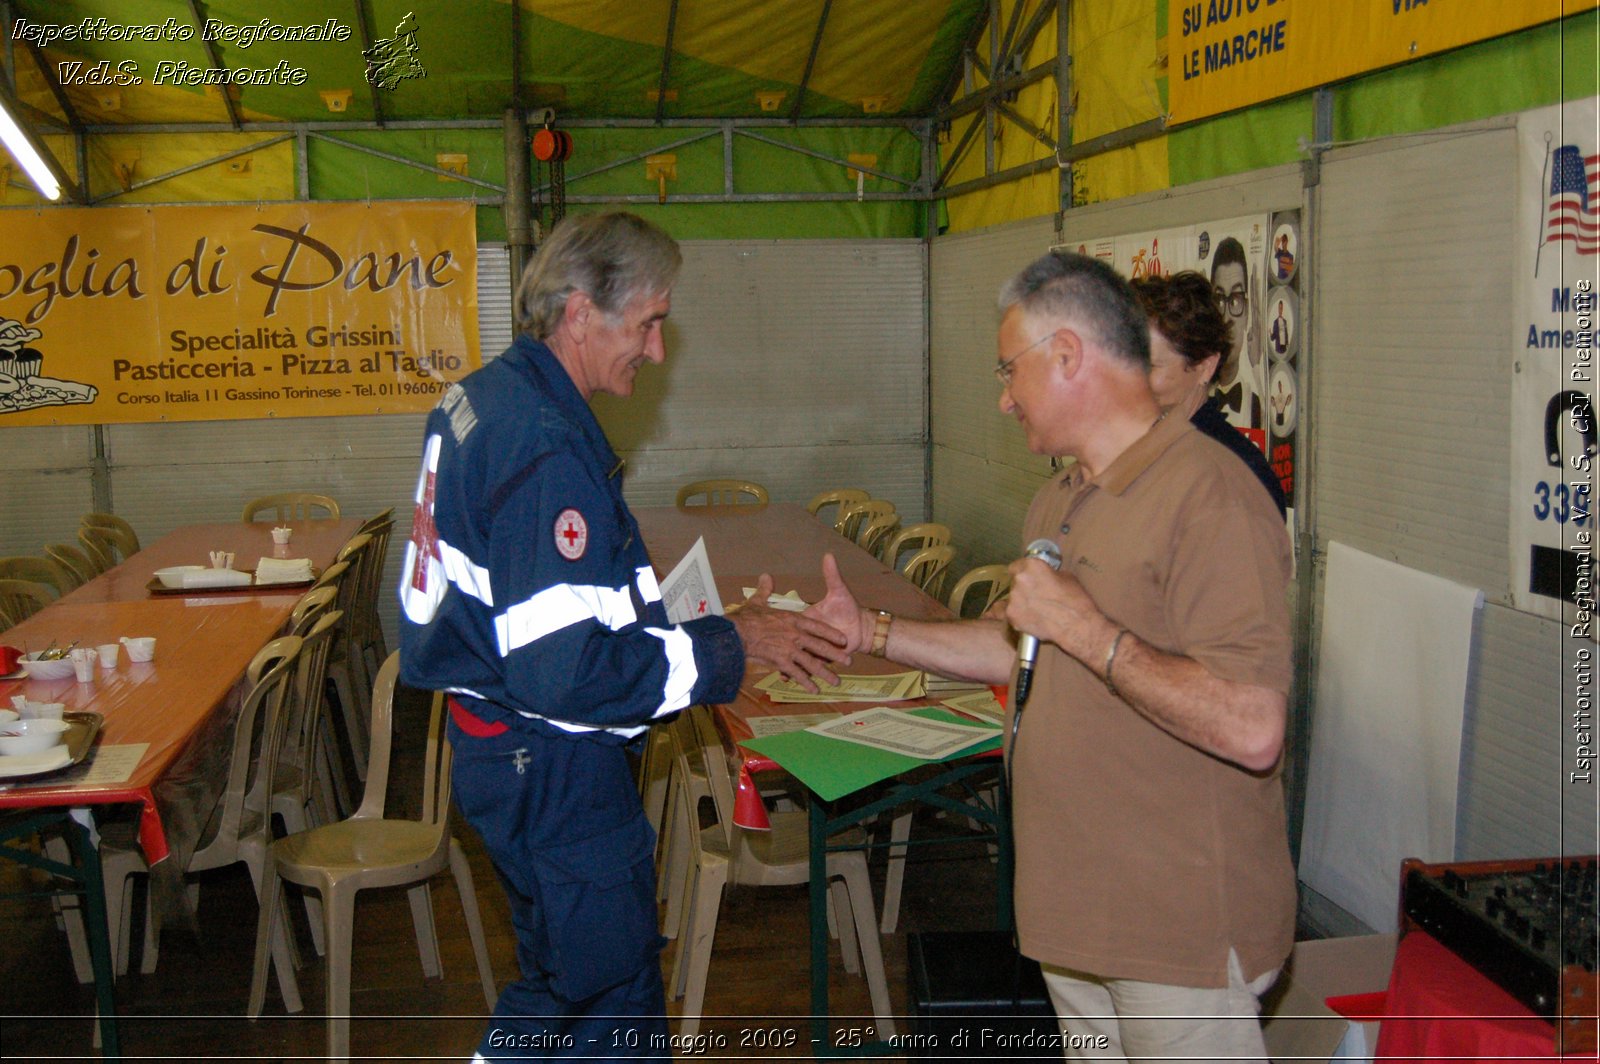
<point>281,536</point>
<point>140,648</point>
<point>83,662</point>
<point>108,654</point>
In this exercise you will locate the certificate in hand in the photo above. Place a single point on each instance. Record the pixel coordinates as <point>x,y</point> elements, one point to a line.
<point>899,732</point>
<point>690,591</point>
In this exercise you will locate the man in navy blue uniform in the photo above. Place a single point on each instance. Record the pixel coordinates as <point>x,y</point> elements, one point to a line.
<point>529,597</point>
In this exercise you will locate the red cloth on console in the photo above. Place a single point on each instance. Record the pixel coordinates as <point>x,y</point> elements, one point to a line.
<point>1439,1006</point>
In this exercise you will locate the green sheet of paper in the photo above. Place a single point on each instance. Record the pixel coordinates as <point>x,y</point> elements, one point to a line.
<point>832,768</point>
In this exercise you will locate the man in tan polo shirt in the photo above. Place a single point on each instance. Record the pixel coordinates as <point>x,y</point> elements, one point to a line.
<point>1153,875</point>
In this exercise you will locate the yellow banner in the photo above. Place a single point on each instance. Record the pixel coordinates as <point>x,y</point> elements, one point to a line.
<point>1226,54</point>
<point>119,314</point>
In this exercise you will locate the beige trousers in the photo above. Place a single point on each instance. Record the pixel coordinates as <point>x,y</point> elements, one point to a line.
<point>1124,1019</point>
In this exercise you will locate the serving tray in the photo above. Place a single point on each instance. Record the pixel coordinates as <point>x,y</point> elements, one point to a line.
<point>156,587</point>
<point>83,729</point>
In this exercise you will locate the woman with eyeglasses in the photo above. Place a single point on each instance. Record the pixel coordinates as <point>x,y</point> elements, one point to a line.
<point>1189,334</point>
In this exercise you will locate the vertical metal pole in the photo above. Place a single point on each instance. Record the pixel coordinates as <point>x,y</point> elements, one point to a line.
<point>302,165</point>
<point>727,158</point>
<point>994,73</point>
<point>817,893</point>
<point>1064,97</point>
<point>518,207</point>
<point>1297,760</point>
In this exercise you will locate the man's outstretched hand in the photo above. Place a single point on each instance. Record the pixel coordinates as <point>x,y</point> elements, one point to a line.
<point>801,646</point>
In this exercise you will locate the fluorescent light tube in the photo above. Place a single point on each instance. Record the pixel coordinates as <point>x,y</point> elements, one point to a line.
<point>22,149</point>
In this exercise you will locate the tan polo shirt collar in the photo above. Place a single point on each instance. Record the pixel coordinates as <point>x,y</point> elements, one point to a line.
<point>1139,456</point>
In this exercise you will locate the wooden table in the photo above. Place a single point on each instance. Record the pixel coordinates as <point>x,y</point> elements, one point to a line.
<point>203,644</point>
<point>788,542</point>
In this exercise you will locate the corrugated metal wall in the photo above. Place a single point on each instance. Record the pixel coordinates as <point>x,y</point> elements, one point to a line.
<point>800,364</point>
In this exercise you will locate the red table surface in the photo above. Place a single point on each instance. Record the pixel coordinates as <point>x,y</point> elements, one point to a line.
<point>203,644</point>
<point>1439,1007</point>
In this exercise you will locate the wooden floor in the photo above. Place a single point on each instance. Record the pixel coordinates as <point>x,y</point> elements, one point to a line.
<point>192,1007</point>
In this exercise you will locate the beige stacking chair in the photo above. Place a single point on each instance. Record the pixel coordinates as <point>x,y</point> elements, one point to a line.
<point>97,547</point>
<point>876,531</point>
<point>726,854</point>
<point>744,494</point>
<point>290,506</point>
<point>347,667</point>
<point>914,538</point>
<point>927,567</point>
<point>78,565</point>
<point>110,541</point>
<point>39,570</point>
<point>367,850</point>
<point>839,498</point>
<point>993,581</point>
<point>852,516</point>
<point>368,631</point>
<point>127,539</point>
<point>21,599</point>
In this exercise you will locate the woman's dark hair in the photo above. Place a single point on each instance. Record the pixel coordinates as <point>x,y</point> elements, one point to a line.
<point>1181,306</point>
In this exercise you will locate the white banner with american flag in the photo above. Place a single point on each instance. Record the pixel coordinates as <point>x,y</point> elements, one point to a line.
<point>1553,427</point>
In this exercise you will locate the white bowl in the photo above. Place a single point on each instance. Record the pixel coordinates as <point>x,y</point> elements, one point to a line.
<point>172,575</point>
<point>31,736</point>
<point>7,716</point>
<point>53,669</point>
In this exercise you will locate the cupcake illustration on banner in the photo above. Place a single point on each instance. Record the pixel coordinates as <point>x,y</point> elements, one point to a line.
<point>23,385</point>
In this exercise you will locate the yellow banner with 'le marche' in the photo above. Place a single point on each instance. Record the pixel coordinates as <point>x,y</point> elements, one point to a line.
<point>1227,54</point>
<point>127,314</point>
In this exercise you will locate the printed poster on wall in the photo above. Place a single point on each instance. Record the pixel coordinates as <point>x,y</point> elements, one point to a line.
<point>1227,54</point>
<point>1557,264</point>
<point>122,314</point>
<point>1253,266</point>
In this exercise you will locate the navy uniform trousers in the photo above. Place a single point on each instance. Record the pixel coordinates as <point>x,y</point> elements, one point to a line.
<point>562,820</point>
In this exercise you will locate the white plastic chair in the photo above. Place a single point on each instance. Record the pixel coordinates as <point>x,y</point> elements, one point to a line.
<point>725,854</point>
<point>368,850</point>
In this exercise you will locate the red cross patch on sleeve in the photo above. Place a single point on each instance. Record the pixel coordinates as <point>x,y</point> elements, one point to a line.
<point>572,534</point>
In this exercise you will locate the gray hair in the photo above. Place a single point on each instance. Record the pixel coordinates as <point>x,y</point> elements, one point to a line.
<point>613,258</point>
<point>1088,293</point>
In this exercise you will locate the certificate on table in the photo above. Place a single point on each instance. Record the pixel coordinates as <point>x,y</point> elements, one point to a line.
<point>899,732</point>
<point>886,687</point>
<point>833,769</point>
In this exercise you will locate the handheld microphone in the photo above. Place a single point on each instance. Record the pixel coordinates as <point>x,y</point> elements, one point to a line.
<point>1028,646</point>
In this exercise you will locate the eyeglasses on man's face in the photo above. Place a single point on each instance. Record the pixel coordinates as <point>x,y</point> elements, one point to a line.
<point>1003,371</point>
<point>1233,302</point>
